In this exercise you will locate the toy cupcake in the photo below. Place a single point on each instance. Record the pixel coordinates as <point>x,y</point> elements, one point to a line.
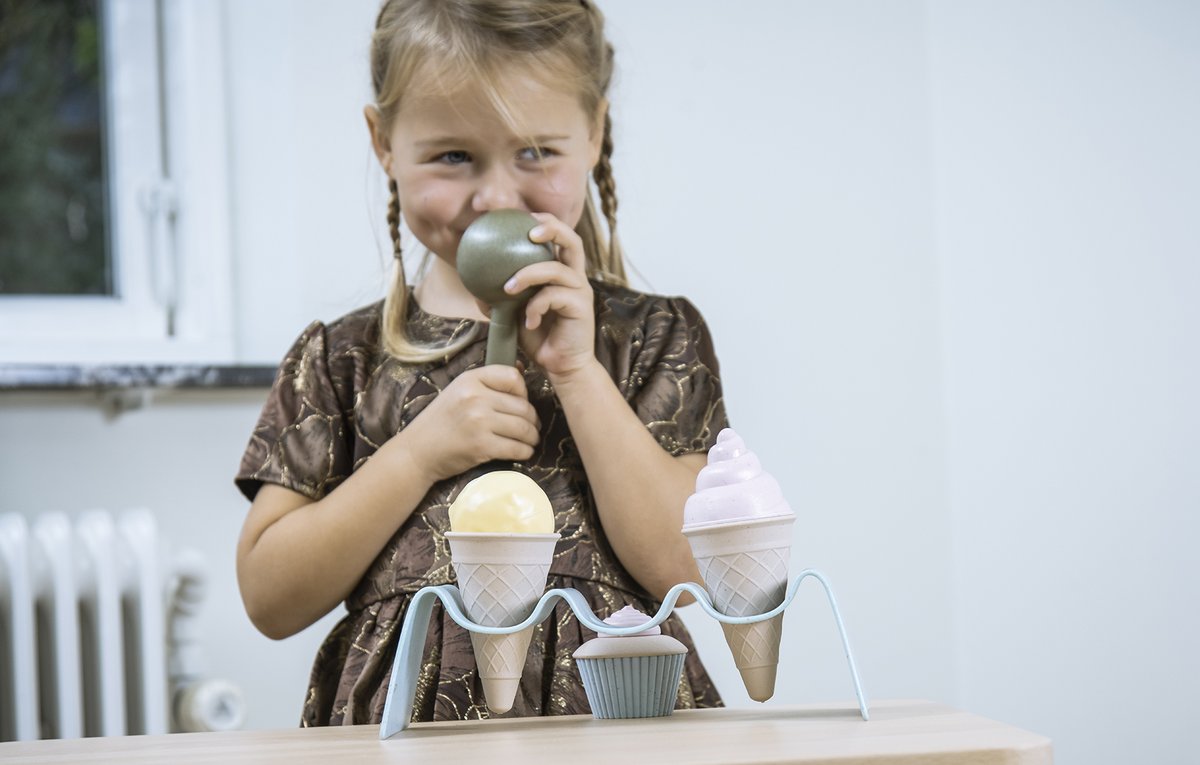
<point>631,676</point>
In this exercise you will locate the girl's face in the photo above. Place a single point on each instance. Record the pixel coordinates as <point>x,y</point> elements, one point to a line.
<point>454,158</point>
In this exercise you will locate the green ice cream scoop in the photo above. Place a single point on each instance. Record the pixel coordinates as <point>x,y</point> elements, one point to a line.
<point>493,248</point>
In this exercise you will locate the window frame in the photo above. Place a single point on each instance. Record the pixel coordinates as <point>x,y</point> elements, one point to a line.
<point>168,202</point>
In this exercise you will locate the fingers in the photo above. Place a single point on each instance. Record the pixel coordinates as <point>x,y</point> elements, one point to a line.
<point>508,449</point>
<point>512,429</point>
<point>483,414</point>
<point>541,274</point>
<point>519,429</point>
<point>563,283</point>
<point>503,392</point>
<point>501,378</point>
<point>570,247</point>
<point>562,301</point>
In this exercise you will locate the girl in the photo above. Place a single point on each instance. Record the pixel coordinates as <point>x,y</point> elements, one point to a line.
<point>377,420</point>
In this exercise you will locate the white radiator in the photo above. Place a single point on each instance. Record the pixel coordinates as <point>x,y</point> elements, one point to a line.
<point>97,632</point>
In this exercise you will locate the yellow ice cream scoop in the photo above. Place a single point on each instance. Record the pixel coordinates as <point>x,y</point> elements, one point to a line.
<point>505,502</point>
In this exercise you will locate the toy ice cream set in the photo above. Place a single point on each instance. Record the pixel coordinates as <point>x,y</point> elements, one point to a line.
<point>502,542</point>
<point>501,547</point>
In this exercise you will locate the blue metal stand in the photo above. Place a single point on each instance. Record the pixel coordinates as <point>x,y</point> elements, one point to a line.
<point>397,709</point>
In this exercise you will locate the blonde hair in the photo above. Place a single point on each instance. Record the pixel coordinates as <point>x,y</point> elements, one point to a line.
<point>472,40</point>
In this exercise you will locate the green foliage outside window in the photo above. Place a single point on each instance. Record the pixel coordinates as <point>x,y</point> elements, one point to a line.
<point>53,222</point>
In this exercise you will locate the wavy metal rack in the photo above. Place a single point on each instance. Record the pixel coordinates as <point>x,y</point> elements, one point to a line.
<point>397,709</point>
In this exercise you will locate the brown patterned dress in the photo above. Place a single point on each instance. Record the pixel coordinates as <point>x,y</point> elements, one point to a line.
<point>337,398</point>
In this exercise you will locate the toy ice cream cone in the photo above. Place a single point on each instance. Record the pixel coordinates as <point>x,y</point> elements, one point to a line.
<point>501,545</point>
<point>745,568</point>
<point>740,530</point>
<point>501,577</point>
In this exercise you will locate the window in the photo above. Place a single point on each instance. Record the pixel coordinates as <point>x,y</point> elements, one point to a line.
<point>114,242</point>
<point>52,169</point>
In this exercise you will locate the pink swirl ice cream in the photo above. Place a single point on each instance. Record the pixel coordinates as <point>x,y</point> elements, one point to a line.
<point>631,617</point>
<point>733,487</point>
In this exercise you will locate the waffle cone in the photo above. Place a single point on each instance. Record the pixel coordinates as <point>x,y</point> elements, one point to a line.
<point>745,568</point>
<point>501,578</point>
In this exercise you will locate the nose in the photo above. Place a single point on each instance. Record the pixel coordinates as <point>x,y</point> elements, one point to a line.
<point>497,190</point>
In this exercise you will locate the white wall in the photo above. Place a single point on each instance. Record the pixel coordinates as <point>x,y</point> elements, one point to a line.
<point>774,166</point>
<point>942,250</point>
<point>1068,215</point>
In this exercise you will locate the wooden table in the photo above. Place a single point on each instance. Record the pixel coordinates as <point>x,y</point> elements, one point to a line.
<point>899,732</point>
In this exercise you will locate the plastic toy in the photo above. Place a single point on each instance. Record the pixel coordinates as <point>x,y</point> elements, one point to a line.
<point>492,249</point>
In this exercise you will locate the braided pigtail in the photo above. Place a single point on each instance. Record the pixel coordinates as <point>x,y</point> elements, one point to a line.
<point>394,334</point>
<point>393,218</point>
<point>612,263</point>
<point>395,305</point>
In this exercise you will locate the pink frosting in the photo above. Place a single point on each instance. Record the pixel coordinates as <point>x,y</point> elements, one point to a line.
<point>631,617</point>
<point>733,487</point>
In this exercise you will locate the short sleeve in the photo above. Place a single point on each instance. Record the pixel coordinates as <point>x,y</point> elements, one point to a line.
<point>301,441</point>
<point>679,396</point>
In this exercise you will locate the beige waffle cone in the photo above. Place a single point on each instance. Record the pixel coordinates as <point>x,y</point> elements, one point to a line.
<point>501,577</point>
<point>745,570</point>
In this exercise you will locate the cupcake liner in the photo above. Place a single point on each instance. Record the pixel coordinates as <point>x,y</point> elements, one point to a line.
<point>632,686</point>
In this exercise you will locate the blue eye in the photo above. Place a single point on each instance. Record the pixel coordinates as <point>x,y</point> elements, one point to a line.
<point>455,157</point>
<point>534,153</point>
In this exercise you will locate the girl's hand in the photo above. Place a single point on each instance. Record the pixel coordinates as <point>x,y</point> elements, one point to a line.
<point>483,414</point>
<point>560,322</point>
